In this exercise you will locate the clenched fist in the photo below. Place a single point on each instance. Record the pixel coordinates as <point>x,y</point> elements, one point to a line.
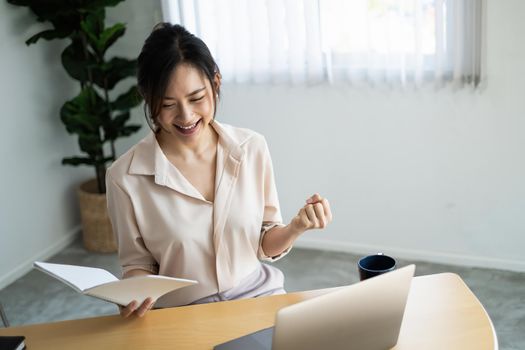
<point>315,214</point>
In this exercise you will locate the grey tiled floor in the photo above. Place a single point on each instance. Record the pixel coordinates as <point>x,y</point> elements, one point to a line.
<point>37,298</point>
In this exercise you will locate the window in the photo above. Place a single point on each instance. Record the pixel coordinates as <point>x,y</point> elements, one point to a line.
<point>395,42</point>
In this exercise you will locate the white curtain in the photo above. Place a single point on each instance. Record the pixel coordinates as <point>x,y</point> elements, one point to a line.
<point>394,42</point>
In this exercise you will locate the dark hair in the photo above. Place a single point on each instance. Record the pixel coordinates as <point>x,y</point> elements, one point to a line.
<point>167,46</point>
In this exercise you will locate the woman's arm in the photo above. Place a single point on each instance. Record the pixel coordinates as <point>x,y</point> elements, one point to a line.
<point>278,239</point>
<point>136,272</point>
<point>315,214</point>
<point>134,257</point>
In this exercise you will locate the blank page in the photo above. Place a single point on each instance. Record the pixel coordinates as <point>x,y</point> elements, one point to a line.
<point>78,277</point>
<point>138,288</point>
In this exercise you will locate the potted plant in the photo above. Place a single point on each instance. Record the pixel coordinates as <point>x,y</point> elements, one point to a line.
<point>93,116</point>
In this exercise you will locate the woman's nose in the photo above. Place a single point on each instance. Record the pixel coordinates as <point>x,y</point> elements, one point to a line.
<point>186,113</point>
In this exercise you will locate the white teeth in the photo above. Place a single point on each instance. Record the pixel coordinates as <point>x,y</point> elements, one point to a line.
<point>188,127</point>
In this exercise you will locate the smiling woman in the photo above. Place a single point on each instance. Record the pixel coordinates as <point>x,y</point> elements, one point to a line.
<point>185,111</point>
<point>196,198</point>
<point>156,72</point>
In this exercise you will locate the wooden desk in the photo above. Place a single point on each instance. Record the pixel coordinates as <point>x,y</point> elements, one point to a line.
<point>441,313</point>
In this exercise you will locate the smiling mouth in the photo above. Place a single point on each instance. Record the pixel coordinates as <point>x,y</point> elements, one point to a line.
<point>188,129</point>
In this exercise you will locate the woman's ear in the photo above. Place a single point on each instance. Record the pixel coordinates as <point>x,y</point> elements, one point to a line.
<point>217,79</point>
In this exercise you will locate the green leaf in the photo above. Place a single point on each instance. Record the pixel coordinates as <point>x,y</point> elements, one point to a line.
<point>129,130</point>
<point>110,35</point>
<point>49,34</point>
<point>127,100</point>
<point>121,119</point>
<point>75,61</point>
<point>64,15</point>
<point>93,26</point>
<point>111,128</point>
<point>78,123</point>
<point>90,144</point>
<point>110,73</point>
<point>118,69</point>
<point>84,114</point>
<point>44,9</point>
<point>89,4</point>
<point>76,161</point>
<point>20,2</point>
<point>67,22</point>
<point>99,38</point>
<point>49,10</point>
<point>91,34</point>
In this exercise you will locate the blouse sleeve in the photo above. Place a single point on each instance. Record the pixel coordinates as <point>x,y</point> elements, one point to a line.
<point>132,251</point>
<point>272,213</point>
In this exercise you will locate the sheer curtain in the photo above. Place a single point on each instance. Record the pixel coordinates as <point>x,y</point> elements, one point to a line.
<point>395,42</point>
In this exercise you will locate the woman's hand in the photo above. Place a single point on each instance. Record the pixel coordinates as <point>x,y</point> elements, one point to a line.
<point>133,308</point>
<point>315,214</point>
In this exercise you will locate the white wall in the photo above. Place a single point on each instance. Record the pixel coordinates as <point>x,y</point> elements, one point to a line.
<point>430,175</point>
<point>437,176</point>
<point>38,207</point>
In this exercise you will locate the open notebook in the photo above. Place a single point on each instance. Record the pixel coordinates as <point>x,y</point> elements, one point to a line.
<point>101,284</point>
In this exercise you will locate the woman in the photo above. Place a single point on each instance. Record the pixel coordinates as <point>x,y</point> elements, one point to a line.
<point>196,198</point>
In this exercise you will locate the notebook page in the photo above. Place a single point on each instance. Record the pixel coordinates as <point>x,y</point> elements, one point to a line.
<point>78,277</point>
<point>138,288</point>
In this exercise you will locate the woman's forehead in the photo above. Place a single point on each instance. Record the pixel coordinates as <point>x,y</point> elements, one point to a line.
<point>185,79</point>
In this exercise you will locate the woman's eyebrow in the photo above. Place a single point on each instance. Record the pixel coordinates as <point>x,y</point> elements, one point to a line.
<point>188,95</point>
<point>196,91</point>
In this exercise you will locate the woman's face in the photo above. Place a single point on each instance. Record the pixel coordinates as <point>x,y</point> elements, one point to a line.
<point>188,106</point>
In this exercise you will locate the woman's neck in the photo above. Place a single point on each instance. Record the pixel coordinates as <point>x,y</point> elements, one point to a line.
<point>173,146</point>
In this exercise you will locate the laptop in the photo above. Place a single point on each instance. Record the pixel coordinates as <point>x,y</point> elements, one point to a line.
<point>364,316</point>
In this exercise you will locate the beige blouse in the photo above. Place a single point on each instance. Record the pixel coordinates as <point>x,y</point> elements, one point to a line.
<point>164,225</point>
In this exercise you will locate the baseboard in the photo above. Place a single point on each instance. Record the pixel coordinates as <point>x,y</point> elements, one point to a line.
<point>363,249</point>
<point>27,265</point>
<point>421,255</point>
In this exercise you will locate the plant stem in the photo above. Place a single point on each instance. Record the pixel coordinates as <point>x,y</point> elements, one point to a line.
<point>84,46</point>
<point>113,152</point>
<point>101,177</point>
<point>100,169</point>
<point>106,95</point>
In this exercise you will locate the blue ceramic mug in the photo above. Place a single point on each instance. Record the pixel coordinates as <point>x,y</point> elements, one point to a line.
<point>373,265</point>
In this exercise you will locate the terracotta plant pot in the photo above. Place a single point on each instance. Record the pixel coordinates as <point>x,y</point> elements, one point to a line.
<point>96,227</point>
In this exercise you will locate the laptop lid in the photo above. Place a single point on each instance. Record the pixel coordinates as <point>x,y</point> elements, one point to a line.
<point>363,316</point>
